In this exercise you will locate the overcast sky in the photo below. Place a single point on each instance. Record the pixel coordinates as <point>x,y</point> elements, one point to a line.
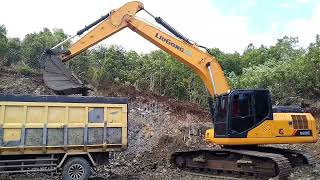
<point>227,24</point>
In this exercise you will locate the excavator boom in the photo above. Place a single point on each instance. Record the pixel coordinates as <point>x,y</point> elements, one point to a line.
<point>179,47</point>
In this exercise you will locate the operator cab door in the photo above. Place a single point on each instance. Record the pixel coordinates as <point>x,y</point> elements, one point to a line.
<point>242,112</point>
<point>248,109</point>
<point>221,116</point>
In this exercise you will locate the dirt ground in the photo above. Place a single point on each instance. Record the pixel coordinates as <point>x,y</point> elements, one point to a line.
<point>157,127</point>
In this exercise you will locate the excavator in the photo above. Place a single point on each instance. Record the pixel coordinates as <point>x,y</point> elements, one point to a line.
<point>245,124</point>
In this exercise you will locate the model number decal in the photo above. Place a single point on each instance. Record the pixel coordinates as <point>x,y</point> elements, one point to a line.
<point>303,133</point>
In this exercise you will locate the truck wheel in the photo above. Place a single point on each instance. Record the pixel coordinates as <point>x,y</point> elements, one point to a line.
<point>76,168</point>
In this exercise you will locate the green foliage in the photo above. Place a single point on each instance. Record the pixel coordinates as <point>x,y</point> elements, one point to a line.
<point>10,48</point>
<point>34,44</point>
<point>287,71</point>
<point>290,72</point>
<point>24,69</point>
<point>3,43</point>
<point>13,54</point>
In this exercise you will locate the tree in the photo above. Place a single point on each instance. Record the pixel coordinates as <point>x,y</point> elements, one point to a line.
<point>230,62</point>
<point>3,43</point>
<point>13,54</point>
<point>291,73</point>
<point>34,45</point>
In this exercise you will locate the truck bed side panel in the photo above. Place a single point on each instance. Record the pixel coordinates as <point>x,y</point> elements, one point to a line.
<point>60,124</point>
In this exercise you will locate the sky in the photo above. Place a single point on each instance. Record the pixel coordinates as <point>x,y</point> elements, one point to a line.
<point>229,25</point>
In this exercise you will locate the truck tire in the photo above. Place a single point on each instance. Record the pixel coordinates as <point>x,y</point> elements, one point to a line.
<point>76,168</point>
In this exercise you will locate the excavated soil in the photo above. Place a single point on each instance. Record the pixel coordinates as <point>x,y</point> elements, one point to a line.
<point>158,126</point>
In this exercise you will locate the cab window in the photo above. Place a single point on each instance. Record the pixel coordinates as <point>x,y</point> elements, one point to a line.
<point>242,117</point>
<point>220,119</point>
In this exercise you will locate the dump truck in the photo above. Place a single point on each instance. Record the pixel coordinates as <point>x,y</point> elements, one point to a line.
<point>53,133</point>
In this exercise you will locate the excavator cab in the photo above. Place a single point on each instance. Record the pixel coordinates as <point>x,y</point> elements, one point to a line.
<point>246,117</point>
<point>240,111</point>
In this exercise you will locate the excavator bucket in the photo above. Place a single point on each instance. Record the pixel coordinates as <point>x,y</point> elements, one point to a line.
<point>60,79</point>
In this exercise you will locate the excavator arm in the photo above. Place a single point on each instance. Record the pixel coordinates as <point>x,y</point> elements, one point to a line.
<point>176,45</point>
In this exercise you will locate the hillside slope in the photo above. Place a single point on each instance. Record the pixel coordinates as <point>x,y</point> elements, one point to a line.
<point>158,126</point>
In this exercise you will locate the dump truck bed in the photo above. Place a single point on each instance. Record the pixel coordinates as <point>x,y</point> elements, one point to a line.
<point>62,124</point>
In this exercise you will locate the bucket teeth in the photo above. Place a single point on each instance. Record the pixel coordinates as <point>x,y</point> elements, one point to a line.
<point>60,79</point>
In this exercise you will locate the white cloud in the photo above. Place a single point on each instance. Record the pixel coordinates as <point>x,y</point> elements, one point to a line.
<point>275,26</point>
<point>200,21</point>
<point>247,4</point>
<point>305,28</point>
<point>284,5</point>
<point>304,1</point>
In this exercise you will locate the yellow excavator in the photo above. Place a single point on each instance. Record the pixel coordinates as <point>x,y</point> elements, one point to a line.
<point>244,120</point>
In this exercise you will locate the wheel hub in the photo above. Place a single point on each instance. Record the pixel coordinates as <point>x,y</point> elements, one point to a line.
<point>76,171</point>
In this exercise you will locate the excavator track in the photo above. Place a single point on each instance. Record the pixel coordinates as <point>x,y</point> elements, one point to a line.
<point>216,177</point>
<point>233,163</point>
<point>296,157</point>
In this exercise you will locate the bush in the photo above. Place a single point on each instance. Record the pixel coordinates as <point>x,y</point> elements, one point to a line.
<point>24,69</point>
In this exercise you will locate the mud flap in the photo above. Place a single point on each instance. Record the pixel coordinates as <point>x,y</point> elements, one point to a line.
<point>60,79</point>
